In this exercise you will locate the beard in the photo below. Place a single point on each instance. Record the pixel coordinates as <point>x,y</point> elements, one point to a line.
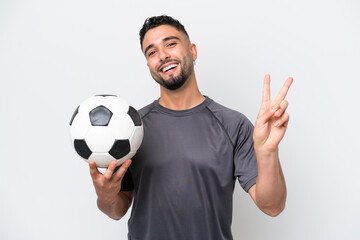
<point>175,82</point>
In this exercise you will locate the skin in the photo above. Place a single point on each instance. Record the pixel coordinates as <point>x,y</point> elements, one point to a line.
<point>180,49</point>
<point>269,192</point>
<point>111,200</point>
<point>165,45</point>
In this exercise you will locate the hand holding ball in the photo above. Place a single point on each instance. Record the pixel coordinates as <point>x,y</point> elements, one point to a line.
<point>105,128</point>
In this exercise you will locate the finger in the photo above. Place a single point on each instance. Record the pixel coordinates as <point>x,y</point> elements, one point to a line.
<point>283,106</point>
<point>94,172</point>
<point>109,171</point>
<point>266,88</point>
<point>283,121</point>
<point>283,91</point>
<point>122,170</point>
<point>267,114</point>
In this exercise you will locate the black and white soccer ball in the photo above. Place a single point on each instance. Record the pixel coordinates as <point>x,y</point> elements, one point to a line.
<point>105,128</point>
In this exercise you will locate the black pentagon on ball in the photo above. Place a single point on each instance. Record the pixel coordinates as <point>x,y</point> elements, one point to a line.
<point>82,148</point>
<point>105,95</point>
<point>100,116</point>
<point>120,149</point>
<point>135,116</point>
<point>74,114</point>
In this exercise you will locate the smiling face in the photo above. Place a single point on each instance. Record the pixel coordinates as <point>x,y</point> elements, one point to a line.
<point>169,56</point>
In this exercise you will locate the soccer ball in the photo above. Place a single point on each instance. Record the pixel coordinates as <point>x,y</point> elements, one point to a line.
<point>105,128</point>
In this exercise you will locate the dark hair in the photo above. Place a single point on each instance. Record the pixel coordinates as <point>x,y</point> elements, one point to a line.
<point>156,21</point>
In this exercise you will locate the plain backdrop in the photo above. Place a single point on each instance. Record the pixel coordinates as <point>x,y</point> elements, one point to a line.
<point>54,54</point>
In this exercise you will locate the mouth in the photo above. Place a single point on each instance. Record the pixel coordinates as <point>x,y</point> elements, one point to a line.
<point>168,68</point>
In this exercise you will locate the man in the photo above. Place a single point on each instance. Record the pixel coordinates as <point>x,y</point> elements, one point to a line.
<point>182,178</point>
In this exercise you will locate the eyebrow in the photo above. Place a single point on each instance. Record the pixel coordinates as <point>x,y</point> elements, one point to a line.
<point>164,40</point>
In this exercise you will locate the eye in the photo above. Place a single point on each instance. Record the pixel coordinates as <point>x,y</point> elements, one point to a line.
<point>151,53</point>
<point>171,44</point>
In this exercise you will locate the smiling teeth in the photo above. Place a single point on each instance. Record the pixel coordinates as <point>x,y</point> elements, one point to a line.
<point>168,67</point>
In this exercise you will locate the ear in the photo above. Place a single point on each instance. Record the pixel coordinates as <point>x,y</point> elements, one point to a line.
<point>193,51</point>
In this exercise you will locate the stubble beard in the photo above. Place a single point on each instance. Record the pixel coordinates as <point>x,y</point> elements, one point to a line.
<point>175,82</point>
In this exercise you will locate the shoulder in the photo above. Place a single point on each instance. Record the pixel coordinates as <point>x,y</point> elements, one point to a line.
<point>226,115</point>
<point>146,109</point>
<point>234,122</point>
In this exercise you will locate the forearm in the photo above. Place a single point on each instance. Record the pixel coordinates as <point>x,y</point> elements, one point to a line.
<point>115,208</point>
<point>270,184</point>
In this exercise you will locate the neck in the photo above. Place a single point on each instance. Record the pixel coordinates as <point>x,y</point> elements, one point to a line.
<point>186,97</point>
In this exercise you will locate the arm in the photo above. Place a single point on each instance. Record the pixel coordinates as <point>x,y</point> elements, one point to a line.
<point>269,192</point>
<point>117,207</point>
<point>111,200</point>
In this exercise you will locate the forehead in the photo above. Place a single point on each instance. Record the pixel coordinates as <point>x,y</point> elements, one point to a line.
<point>158,34</point>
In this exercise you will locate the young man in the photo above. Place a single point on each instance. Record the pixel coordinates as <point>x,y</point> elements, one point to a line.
<point>182,178</point>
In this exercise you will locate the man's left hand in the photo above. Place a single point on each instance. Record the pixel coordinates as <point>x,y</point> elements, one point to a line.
<point>272,120</point>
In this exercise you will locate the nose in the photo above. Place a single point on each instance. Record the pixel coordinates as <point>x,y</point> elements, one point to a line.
<point>163,54</point>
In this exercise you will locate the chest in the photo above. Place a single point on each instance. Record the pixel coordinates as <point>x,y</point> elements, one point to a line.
<point>181,142</point>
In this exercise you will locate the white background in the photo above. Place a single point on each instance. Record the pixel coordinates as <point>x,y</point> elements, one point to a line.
<point>54,54</point>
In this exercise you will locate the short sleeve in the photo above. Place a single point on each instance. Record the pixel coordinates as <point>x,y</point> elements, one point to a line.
<point>244,156</point>
<point>127,183</point>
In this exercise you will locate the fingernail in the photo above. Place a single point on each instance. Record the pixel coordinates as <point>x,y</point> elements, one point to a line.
<point>277,123</point>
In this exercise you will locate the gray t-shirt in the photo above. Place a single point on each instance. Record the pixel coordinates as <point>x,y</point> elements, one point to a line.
<point>184,173</point>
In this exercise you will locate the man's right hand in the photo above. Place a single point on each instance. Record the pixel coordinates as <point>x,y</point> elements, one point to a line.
<point>107,186</point>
